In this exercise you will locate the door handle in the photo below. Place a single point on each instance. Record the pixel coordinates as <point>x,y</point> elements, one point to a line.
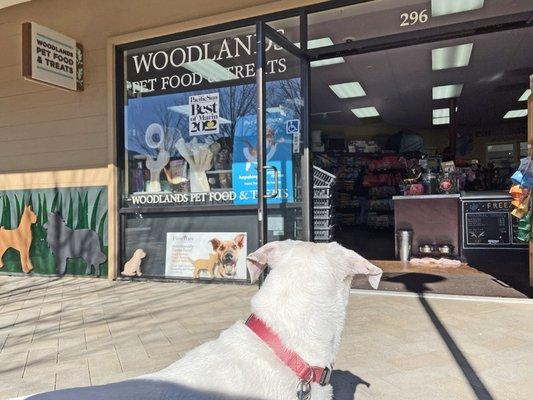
<point>275,192</point>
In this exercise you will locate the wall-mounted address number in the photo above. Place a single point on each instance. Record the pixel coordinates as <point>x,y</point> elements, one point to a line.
<point>414,17</point>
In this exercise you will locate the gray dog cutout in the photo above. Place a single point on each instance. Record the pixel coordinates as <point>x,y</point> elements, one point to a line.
<point>67,243</point>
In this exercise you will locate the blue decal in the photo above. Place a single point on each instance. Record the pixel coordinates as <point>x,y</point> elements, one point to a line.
<point>278,155</point>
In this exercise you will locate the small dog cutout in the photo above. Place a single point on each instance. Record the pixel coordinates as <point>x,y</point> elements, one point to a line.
<point>133,266</point>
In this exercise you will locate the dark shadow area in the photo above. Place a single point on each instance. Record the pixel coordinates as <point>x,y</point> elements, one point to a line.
<point>514,272</point>
<point>415,282</point>
<point>345,384</point>
<point>443,281</point>
<point>135,389</point>
<point>363,240</point>
<point>418,285</point>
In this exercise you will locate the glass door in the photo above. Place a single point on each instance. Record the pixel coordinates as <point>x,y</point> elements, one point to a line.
<point>282,73</point>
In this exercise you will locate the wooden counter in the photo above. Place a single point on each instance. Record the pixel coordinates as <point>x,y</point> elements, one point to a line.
<point>434,219</point>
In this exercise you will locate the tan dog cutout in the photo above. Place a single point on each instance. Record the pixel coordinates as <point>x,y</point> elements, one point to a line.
<point>19,239</point>
<point>133,266</point>
<point>205,264</point>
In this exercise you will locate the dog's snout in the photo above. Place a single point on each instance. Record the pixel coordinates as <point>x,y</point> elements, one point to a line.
<point>228,257</point>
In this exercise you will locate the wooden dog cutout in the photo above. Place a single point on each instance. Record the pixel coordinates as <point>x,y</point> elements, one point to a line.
<point>19,239</point>
<point>133,266</point>
<point>67,243</point>
<point>205,264</point>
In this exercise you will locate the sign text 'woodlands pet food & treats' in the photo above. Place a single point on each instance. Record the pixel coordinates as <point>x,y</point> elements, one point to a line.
<point>51,58</point>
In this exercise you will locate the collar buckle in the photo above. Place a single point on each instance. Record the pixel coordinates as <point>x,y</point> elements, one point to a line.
<point>325,377</point>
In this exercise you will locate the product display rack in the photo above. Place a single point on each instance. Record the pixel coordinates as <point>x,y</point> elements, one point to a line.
<point>323,210</point>
<point>365,185</point>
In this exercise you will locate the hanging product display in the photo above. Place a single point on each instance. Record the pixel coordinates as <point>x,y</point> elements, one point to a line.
<point>200,159</point>
<point>524,228</point>
<point>155,166</point>
<point>176,174</point>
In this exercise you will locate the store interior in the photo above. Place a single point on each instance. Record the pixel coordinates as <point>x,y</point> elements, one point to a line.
<point>384,122</point>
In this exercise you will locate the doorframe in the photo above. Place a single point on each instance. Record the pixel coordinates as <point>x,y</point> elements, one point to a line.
<point>264,31</point>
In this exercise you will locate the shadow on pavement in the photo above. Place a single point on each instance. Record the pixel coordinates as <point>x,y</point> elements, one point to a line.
<point>417,283</point>
<point>135,389</point>
<point>345,384</point>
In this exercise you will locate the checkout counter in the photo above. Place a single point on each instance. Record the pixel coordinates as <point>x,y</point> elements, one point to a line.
<point>478,225</point>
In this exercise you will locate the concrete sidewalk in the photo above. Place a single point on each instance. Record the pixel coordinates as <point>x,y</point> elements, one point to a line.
<point>58,333</point>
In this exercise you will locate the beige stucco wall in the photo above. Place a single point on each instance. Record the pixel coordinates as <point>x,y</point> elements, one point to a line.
<point>54,138</point>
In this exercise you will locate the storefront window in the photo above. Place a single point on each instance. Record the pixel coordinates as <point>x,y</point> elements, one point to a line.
<point>190,121</point>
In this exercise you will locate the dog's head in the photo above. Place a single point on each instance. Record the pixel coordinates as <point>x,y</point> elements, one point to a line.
<point>139,253</point>
<point>54,221</point>
<point>333,259</point>
<point>228,250</point>
<point>305,294</point>
<point>31,215</point>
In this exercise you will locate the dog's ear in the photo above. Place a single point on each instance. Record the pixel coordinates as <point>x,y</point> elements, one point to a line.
<point>257,261</point>
<point>215,243</point>
<point>239,240</point>
<point>361,266</point>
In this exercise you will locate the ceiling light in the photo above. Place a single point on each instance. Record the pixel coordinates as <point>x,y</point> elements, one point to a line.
<point>451,57</point>
<point>445,7</point>
<point>184,109</point>
<point>365,112</point>
<point>327,61</point>
<point>348,89</point>
<point>210,70</point>
<point>441,112</point>
<point>525,95</point>
<point>316,43</point>
<point>516,114</point>
<point>441,120</point>
<point>322,42</point>
<point>447,91</point>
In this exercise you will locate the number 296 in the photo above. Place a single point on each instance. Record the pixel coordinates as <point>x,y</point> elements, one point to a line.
<point>414,17</point>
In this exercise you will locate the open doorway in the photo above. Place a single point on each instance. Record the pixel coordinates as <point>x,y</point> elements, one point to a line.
<point>440,122</point>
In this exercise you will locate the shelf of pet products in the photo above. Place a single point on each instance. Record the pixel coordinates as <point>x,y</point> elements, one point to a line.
<point>323,210</point>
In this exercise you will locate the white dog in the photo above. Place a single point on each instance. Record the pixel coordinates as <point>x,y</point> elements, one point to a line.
<point>303,306</point>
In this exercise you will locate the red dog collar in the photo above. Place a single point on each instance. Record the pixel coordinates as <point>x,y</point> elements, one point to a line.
<point>290,358</point>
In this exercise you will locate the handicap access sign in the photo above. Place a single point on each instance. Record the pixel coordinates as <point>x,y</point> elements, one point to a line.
<point>293,126</point>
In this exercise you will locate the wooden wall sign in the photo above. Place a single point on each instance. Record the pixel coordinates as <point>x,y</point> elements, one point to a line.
<point>50,58</point>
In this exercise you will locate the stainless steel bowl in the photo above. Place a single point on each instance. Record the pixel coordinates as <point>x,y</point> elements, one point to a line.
<point>445,248</point>
<point>426,248</point>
